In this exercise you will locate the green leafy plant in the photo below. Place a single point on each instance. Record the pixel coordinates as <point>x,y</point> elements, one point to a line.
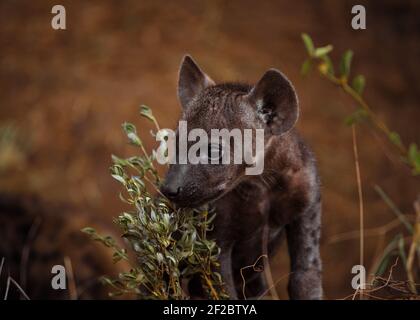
<point>410,155</point>
<point>354,87</point>
<point>168,244</point>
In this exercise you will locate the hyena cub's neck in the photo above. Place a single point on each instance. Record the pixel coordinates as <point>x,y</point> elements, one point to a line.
<point>289,167</point>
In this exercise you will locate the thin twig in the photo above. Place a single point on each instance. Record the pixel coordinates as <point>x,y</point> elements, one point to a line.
<point>1,265</point>
<point>368,292</point>
<point>387,251</point>
<point>211,287</point>
<point>394,208</point>
<point>342,82</point>
<point>372,232</point>
<point>6,293</point>
<point>11,280</point>
<point>414,244</point>
<point>267,269</point>
<point>389,277</point>
<point>378,255</point>
<point>254,267</point>
<point>355,293</point>
<point>275,284</point>
<point>27,249</point>
<point>70,276</point>
<point>361,209</point>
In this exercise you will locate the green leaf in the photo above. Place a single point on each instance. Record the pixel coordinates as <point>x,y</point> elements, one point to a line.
<point>413,153</point>
<point>134,139</point>
<point>395,138</point>
<point>131,132</point>
<point>414,158</point>
<point>383,265</point>
<point>386,256</point>
<point>394,209</point>
<point>345,63</point>
<point>119,161</point>
<point>306,67</point>
<point>356,117</point>
<point>309,45</point>
<point>401,250</point>
<point>89,230</point>
<point>322,51</point>
<point>146,112</point>
<point>358,84</point>
<point>119,178</point>
<point>159,257</point>
<point>129,127</point>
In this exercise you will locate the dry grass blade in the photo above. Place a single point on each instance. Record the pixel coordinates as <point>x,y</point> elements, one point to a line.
<point>1,265</point>
<point>267,269</point>
<point>70,276</point>
<point>254,267</point>
<point>27,249</point>
<point>394,208</point>
<point>415,244</point>
<point>372,232</point>
<point>275,284</point>
<point>387,288</point>
<point>360,193</point>
<point>369,291</point>
<point>10,280</point>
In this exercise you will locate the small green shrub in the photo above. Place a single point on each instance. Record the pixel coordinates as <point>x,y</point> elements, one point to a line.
<point>168,244</point>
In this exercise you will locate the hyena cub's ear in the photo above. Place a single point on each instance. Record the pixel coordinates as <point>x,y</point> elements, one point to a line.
<point>275,101</point>
<point>191,81</point>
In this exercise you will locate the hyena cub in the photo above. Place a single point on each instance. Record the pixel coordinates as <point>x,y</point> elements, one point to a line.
<point>285,197</point>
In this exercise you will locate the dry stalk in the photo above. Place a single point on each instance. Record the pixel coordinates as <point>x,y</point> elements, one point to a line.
<point>360,193</point>
<point>415,243</point>
<point>70,276</point>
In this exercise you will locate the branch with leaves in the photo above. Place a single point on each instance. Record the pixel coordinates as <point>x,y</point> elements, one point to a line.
<point>354,87</point>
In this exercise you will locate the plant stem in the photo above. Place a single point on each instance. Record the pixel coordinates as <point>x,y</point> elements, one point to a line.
<point>342,82</point>
<point>415,243</point>
<point>394,209</point>
<point>210,285</point>
<point>361,207</point>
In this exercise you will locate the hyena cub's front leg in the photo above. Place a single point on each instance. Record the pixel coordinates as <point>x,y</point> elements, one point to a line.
<point>303,235</point>
<point>226,270</point>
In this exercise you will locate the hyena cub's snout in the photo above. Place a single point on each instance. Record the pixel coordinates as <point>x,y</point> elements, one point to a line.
<point>173,188</point>
<point>187,186</point>
<point>180,188</point>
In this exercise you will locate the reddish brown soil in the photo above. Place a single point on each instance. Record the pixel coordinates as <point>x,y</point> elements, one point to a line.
<point>69,91</point>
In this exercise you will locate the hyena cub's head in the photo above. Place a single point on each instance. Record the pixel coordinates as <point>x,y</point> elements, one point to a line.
<point>269,107</point>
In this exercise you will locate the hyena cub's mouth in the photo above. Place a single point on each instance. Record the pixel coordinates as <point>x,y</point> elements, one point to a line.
<point>193,202</point>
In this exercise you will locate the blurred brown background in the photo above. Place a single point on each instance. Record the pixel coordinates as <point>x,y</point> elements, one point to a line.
<point>66,93</point>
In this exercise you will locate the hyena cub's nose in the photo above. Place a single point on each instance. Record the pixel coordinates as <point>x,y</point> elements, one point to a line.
<point>171,191</point>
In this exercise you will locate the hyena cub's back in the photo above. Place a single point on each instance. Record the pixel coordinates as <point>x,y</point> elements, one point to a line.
<point>251,208</point>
